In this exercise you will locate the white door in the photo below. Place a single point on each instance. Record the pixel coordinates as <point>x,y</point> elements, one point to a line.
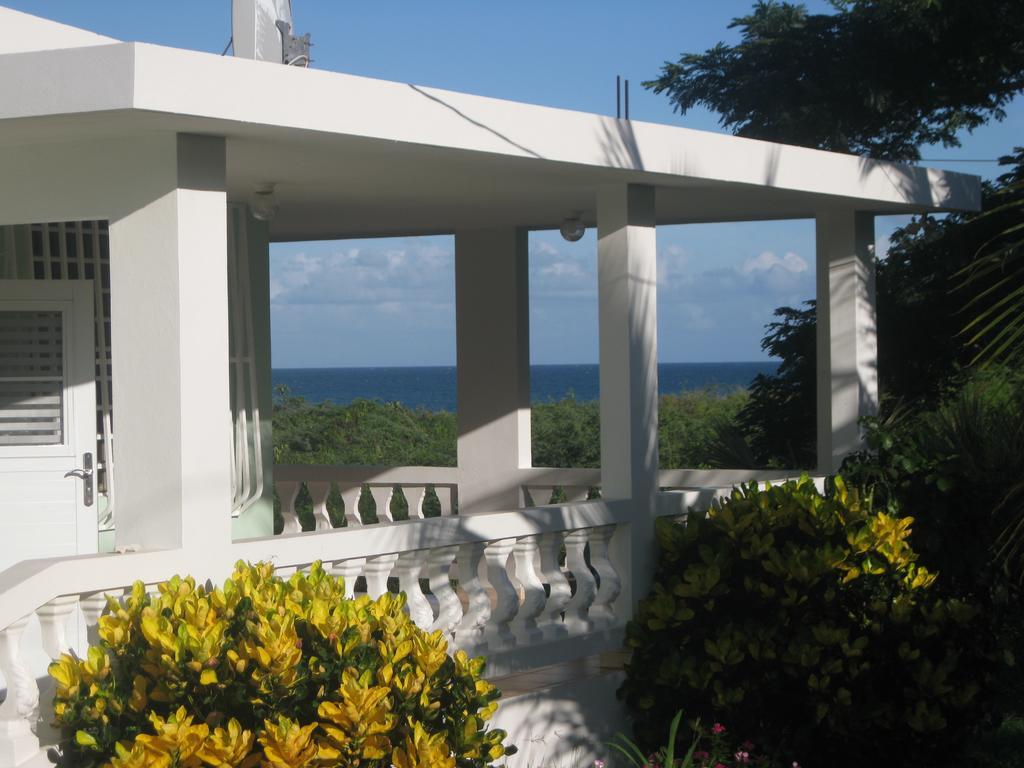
<point>47,419</point>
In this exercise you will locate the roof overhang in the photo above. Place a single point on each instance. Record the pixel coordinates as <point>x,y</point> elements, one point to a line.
<point>353,156</point>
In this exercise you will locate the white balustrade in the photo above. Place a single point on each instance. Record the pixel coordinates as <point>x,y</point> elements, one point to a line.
<point>288,493</point>
<point>601,610</point>
<point>506,597</point>
<point>532,588</point>
<point>576,612</point>
<point>349,571</point>
<point>478,607</point>
<point>18,712</point>
<point>382,496</point>
<point>560,592</point>
<point>415,495</point>
<point>352,484</point>
<point>448,606</point>
<point>376,572</point>
<point>513,596</point>
<point>350,500</point>
<point>319,493</point>
<point>539,495</point>
<point>407,569</point>
<point>53,622</point>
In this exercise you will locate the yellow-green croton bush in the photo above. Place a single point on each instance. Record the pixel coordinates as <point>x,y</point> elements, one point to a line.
<point>270,672</point>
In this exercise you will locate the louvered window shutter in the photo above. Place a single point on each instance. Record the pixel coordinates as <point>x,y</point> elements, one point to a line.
<point>31,378</point>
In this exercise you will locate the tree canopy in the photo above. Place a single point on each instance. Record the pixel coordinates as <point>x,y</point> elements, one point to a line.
<point>878,77</point>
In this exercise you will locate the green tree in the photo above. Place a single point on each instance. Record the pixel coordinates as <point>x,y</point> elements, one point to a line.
<point>995,279</point>
<point>779,418</point>
<point>929,287</point>
<point>878,77</point>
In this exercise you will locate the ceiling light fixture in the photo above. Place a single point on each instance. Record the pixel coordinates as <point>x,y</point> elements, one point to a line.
<point>264,202</point>
<point>572,228</point>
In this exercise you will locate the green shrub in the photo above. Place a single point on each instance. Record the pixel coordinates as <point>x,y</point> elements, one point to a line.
<point>804,621</point>
<point>566,432</point>
<point>287,674</point>
<point>958,468</point>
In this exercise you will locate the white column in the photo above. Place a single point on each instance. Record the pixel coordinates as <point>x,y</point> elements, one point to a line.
<point>258,520</point>
<point>170,344</point>
<point>627,275</point>
<point>847,353</point>
<point>492,331</point>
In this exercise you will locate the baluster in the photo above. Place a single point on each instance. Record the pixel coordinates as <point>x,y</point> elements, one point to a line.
<point>414,496</point>
<point>560,592</point>
<point>349,571</point>
<point>20,709</point>
<point>93,605</point>
<point>540,495</point>
<point>376,571</point>
<point>53,620</point>
<point>446,498</point>
<point>575,493</point>
<point>449,607</point>
<point>319,493</point>
<point>288,492</point>
<point>506,598</point>
<point>577,611</point>
<point>350,495</point>
<point>407,569</point>
<point>153,590</point>
<point>478,611</point>
<point>382,498</point>
<point>611,583</point>
<point>524,555</point>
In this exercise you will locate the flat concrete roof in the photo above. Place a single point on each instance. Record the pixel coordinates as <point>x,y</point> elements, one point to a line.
<point>353,156</point>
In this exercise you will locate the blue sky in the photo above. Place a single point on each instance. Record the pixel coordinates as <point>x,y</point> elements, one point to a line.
<point>391,302</point>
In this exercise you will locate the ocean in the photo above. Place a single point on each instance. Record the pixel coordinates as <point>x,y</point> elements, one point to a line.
<point>433,387</point>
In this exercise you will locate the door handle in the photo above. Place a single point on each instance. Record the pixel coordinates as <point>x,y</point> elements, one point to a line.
<point>85,474</point>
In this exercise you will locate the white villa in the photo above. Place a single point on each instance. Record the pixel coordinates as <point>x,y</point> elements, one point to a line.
<point>135,394</point>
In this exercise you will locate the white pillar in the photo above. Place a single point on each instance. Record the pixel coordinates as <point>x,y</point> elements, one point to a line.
<point>627,293</point>
<point>492,332</point>
<point>258,520</point>
<point>847,353</point>
<point>169,323</point>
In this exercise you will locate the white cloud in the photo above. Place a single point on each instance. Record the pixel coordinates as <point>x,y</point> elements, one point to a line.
<point>767,260</point>
<point>543,248</point>
<point>385,274</point>
<point>294,275</point>
<point>562,269</point>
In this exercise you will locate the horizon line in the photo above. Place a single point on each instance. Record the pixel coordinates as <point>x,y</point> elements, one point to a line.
<point>532,365</point>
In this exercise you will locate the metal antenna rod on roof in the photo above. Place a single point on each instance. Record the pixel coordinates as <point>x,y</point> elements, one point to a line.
<point>618,97</point>
<point>627,99</point>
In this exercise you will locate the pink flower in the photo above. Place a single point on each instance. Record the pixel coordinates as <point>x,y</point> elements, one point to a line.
<point>796,764</point>
<point>599,764</point>
<point>717,729</point>
<point>742,757</point>
<point>721,765</point>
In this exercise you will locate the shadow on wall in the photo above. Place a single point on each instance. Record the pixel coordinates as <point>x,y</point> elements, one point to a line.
<point>618,142</point>
<point>471,121</point>
<point>915,183</point>
<point>563,726</point>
